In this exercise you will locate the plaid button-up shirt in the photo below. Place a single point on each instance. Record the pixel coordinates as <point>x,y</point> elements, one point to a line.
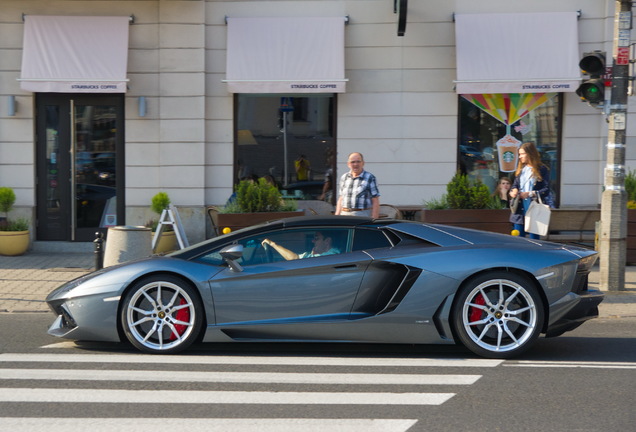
<point>356,192</point>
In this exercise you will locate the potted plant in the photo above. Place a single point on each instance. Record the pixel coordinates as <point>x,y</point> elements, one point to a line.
<point>469,204</point>
<point>255,202</point>
<point>14,234</point>
<point>168,240</point>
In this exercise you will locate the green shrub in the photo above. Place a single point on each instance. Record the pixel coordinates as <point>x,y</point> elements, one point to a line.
<point>437,203</point>
<point>630,185</point>
<point>160,202</point>
<point>259,196</point>
<point>458,192</point>
<point>481,198</point>
<point>19,224</point>
<point>7,199</point>
<point>462,193</point>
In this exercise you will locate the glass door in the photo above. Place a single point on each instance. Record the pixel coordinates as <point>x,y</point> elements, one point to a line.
<point>80,165</point>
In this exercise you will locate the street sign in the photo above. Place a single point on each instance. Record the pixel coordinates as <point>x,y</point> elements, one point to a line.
<point>622,55</point>
<point>286,104</point>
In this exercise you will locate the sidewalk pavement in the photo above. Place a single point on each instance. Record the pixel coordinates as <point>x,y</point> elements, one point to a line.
<point>26,280</point>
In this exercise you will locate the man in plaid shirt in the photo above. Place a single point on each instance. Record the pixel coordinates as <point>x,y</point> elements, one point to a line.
<point>358,190</point>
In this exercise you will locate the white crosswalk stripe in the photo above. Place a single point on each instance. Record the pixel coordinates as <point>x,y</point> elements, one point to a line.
<point>205,425</point>
<point>578,364</point>
<point>218,397</point>
<point>247,360</point>
<point>107,380</point>
<point>238,377</point>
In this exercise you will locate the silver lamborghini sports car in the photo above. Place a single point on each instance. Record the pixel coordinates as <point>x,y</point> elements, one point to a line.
<point>337,279</point>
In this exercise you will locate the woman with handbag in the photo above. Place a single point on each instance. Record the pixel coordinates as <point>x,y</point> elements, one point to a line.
<point>532,181</point>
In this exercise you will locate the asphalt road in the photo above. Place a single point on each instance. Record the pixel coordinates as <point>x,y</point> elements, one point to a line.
<point>583,381</point>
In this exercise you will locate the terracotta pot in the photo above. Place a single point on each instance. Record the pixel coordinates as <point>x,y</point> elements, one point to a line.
<point>14,242</point>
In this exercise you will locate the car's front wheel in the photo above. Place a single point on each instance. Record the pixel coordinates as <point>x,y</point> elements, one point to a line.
<point>498,315</point>
<point>161,315</point>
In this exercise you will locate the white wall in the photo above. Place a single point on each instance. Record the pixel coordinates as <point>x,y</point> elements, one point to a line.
<point>400,108</point>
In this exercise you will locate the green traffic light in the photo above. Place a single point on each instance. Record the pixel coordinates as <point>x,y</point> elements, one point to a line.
<point>591,92</point>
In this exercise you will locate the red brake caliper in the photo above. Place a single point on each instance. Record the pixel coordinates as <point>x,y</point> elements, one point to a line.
<point>181,315</point>
<point>476,313</point>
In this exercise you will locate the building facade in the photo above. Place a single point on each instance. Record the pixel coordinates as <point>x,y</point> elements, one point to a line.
<point>106,103</point>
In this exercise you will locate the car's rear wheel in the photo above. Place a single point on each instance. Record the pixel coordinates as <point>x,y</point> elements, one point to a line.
<point>498,315</point>
<point>161,315</point>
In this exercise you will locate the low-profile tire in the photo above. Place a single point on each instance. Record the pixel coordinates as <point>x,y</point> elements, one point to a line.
<point>161,314</point>
<point>498,314</point>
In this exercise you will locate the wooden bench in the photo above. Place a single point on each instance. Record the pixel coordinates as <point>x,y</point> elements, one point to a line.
<point>573,226</point>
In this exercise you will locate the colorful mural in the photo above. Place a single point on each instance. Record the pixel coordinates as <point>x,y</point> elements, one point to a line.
<point>508,107</point>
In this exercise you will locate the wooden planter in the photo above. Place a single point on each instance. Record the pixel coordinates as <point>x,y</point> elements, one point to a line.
<point>235,221</point>
<point>484,220</point>
<point>14,243</point>
<point>630,254</point>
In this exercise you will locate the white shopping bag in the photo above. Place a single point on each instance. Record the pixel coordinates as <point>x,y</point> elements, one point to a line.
<point>537,219</point>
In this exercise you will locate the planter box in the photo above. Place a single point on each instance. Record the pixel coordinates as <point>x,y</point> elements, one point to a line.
<point>235,221</point>
<point>630,254</point>
<point>484,220</point>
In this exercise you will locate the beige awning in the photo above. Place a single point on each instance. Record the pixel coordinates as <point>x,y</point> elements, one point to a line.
<point>286,55</point>
<point>517,52</point>
<point>75,54</point>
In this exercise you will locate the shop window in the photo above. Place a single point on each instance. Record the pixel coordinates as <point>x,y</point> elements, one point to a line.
<point>486,119</point>
<point>274,131</point>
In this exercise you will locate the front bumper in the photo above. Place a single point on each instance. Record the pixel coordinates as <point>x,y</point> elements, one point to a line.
<point>92,318</point>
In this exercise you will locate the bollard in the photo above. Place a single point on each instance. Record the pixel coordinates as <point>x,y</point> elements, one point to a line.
<point>125,243</point>
<point>99,250</point>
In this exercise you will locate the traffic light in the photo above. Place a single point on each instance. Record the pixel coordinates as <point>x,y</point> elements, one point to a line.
<point>592,90</point>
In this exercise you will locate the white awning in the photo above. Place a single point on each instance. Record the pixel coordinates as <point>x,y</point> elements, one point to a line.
<point>285,55</point>
<point>75,54</point>
<point>517,52</point>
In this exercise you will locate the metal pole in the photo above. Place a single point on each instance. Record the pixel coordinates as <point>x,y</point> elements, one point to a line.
<point>613,236</point>
<point>285,164</point>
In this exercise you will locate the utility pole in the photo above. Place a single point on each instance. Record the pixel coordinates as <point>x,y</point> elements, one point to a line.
<point>613,235</point>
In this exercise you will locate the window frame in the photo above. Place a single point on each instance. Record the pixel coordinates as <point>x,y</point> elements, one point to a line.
<point>555,164</point>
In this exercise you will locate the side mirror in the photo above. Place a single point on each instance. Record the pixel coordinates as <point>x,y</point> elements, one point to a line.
<point>230,254</point>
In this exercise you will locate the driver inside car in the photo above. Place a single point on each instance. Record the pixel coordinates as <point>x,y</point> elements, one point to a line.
<point>322,246</point>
